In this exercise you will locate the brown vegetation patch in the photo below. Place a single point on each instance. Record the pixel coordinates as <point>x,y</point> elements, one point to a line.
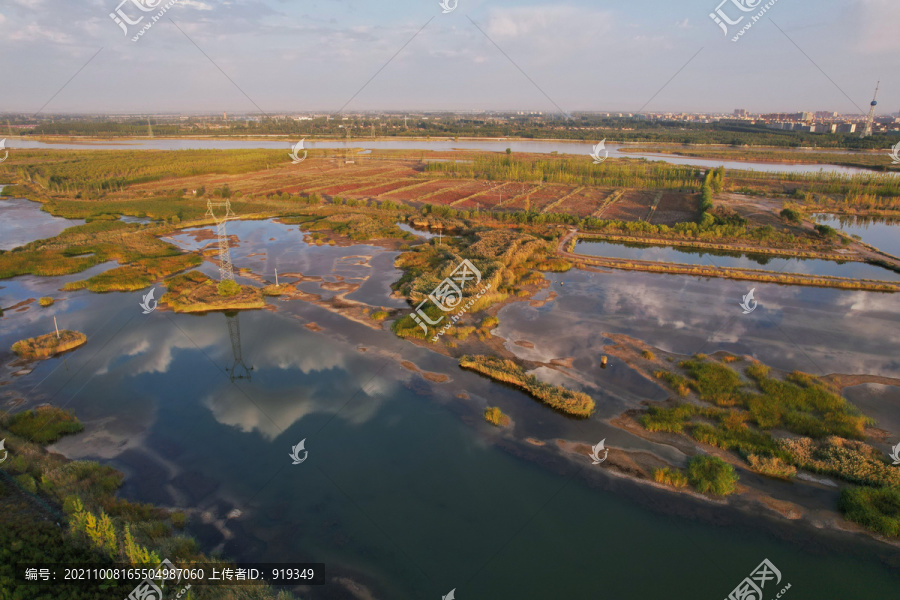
<point>45,346</point>
<point>675,208</point>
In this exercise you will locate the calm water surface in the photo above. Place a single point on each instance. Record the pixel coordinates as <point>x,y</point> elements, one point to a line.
<point>690,256</point>
<point>544,147</point>
<point>884,234</point>
<point>23,221</point>
<point>406,489</point>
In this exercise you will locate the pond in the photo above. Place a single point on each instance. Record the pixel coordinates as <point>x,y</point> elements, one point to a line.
<point>691,256</point>
<point>882,233</point>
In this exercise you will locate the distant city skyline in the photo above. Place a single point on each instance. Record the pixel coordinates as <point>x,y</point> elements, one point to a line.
<point>274,57</point>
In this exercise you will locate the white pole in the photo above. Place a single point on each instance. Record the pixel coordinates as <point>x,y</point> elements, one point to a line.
<point>57,326</point>
<point>276,276</point>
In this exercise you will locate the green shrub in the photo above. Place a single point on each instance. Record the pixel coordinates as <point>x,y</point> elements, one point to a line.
<point>44,425</point>
<point>791,216</point>
<point>648,355</point>
<point>489,322</point>
<point>46,301</point>
<point>27,482</point>
<point>716,383</point>
<point>227,287</point>
<point>711,475</point>
<point>678,383</point>
<point>876,509</point>
<point>671,420</point>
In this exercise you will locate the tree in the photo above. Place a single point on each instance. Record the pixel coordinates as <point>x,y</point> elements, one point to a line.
<point>711,475</point>
<point>227,287</point>
<point>791,216</point>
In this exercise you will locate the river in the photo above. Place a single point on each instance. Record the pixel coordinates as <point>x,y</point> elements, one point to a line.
<point>524,146</point>
<point>406,489</point>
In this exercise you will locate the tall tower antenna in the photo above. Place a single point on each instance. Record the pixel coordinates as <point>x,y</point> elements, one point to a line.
<point>867,131</point>
<point>226,269</point>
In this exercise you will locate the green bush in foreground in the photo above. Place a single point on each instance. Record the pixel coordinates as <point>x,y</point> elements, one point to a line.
<point>876,509</point>
<point>44,425</point>
<point>711,475</point>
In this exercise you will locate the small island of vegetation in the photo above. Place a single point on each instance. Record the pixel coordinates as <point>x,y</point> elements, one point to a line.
<point>495,416</point>
<point>196,292</point>
<point>45,346</point>
<point>577,404</point>
<point>778,424</point>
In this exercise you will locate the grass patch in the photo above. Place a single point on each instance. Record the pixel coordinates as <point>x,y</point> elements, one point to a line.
<point>577,404</point>
<point>495,416</point>
<point>711,475</point>
<point>677,382</point>
<point>771,466</point>
<point>45,346</point>
<point>670,420</point>
<point>138,275</point>
<point>196,292</point>
<point>672,477</point>
<point>850,460</point>
<point>46,301</point>
<point>361,227</point>
<point>275,290</point>
<point>44,425</point>
<point>714,382</point>
<point>799,403</point>
<point>876,509</point>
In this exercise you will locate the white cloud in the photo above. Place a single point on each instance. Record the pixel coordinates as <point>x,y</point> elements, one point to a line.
<point>879,20</point>
<point>551,31</point>
<point>196,5</point>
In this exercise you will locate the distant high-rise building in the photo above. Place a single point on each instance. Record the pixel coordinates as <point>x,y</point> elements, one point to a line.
<point>825,114</point>
<point>740,112</point>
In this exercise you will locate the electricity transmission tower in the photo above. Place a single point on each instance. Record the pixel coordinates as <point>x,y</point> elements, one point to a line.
<point>867,131</point>
<point>226,269</point>
<point>238,369</point>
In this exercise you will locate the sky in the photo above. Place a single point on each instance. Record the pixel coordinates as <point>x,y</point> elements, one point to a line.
<point>277,56</point>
